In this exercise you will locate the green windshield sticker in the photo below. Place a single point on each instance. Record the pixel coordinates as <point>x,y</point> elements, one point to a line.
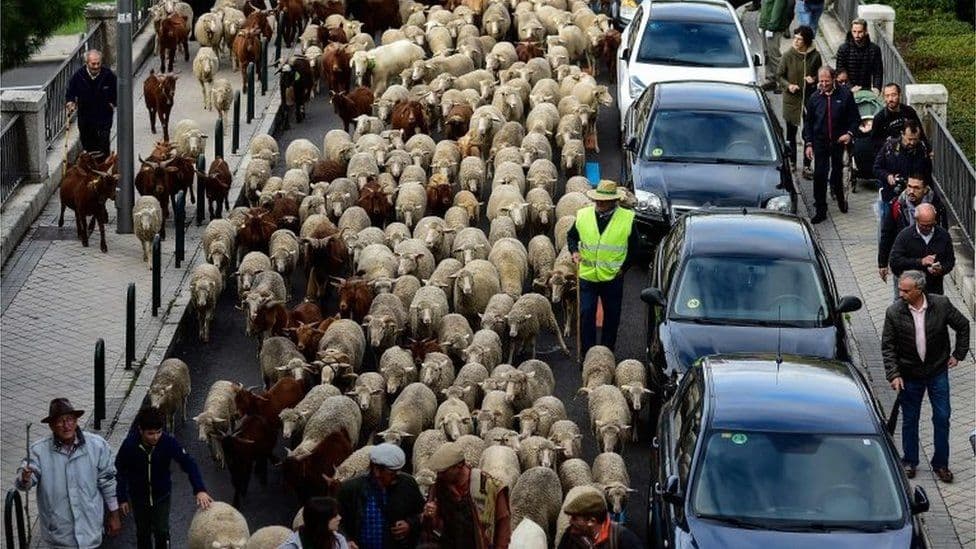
<point>657,151</point>
<point>693,303</point>
<point>739,438</point>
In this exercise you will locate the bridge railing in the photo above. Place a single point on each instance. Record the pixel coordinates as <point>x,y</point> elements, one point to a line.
<point>13,156</point>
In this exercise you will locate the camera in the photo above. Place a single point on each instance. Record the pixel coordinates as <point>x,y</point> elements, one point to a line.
<point>901,182</point>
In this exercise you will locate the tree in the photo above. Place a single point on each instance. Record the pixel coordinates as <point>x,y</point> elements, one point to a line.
<point>26,24</point>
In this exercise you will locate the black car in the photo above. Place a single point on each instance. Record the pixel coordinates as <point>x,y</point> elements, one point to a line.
<point>739,280</point>
<point>765,451</point>
<point>690,144</point>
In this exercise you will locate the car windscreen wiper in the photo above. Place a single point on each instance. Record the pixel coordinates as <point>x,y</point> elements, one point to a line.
<point>832,527</point>
<point>736,521</point>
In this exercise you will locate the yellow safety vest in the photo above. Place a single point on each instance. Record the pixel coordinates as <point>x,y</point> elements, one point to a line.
<point>602,255</point>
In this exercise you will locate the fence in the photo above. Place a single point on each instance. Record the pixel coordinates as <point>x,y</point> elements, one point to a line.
<point>55,116</point>
<point>13,156</point>
<point>954,175</point>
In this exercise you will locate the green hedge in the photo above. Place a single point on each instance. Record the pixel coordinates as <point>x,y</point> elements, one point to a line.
<point>939,48</point>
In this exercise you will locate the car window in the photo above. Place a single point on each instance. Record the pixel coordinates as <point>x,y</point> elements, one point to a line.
<point>796,479</point>
<point>751,291</point>
<point>709,136</point>
<point>686,427</point>
<point>692,44</point>
<point>634,26</point>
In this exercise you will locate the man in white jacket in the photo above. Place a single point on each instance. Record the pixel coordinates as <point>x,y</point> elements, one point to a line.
<point>75,477</point>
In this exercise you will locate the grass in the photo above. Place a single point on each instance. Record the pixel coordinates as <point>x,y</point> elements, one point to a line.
<point>937,47</point>
<point>77,25</point>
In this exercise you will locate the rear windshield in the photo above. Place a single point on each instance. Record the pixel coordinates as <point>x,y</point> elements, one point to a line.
<point>693,44</point>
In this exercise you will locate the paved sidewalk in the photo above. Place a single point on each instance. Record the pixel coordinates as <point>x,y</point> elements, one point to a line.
<point>58,297</point>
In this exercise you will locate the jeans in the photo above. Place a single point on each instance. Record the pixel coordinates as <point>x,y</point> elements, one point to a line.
<point>808,13</point>
<point>152,524</point>
<point>611,296</point>
<point>827,158</point>
<point>95,138</point>
<point>911,407</point>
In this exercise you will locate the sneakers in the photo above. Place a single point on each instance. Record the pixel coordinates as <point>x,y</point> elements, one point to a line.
<point>944,474</point>
<point>820,217</point>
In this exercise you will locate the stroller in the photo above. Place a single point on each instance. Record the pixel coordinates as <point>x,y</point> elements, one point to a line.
<point>859,157</point>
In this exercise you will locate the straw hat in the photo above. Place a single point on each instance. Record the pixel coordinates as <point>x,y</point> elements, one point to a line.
<point>605,190</point>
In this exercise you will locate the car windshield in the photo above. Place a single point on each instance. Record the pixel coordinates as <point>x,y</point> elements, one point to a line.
<point>692,44</point>
<point>797,481</point>
<point>750,291</point>
<point>709,136</point>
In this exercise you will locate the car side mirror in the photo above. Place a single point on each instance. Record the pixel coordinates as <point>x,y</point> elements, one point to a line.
<point>757,60</point>
<point>631,145</point>
<point>920,501</point>
<point>672,492</point>
<point>848,304</point>
<point>653,296</point>
<point>625,54</point>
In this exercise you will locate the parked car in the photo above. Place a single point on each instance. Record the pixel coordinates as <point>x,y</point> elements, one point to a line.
<point>728,281</point>
<point>694,143</point>
<point>682,40</point>
<point>760,451</point>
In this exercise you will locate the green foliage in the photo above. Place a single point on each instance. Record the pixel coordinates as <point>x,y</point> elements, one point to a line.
<point>77,24</point>
<point>26,24</point>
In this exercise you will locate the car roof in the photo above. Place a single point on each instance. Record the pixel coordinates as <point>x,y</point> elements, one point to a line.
<point>747,232</point>
<point>797,395</point>
<point>708,95</point>
<point>707,11</point>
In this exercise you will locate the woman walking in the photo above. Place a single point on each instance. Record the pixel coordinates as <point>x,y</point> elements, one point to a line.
<point>797,76</point>
<point>320,529</point>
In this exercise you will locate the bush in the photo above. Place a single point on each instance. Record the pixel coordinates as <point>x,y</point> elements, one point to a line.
<point>26,24</point>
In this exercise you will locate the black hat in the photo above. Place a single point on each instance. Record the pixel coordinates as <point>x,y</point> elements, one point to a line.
<point>60,407</point>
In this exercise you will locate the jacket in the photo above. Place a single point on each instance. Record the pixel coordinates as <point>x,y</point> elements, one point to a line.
<point>72,492</point>
<point>295,541</point>
<point>620,537</point>
<point>96,99</point>
<point>844,117</point>
<point>888,124</point>
<point>861,61</point>
<point>909,248</point>
<point>774,16</point>
<point>896,159</point>
<point>633,241</point>
<point>144,477</point>
<point>794,67</point>
<point>403,502</point>
<point>898,339</point>
<point>897,217</point>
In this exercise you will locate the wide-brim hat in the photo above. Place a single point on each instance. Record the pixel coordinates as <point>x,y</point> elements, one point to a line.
<point>60,407</point>
<point>448,455</point>
<point>605,190</point>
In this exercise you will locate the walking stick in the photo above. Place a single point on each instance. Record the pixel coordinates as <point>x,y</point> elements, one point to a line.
<point>64,163</point>
<point>579,304</point>
<point>27,492</point>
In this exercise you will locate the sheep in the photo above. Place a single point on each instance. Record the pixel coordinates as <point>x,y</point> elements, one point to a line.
<point>470,203</point>
<point>412,412</point>
<point>376,261</point>
<point>535,146</point>
<point>572,157</point>
<point>473,447</point>
<point>218,413</point>
<point>386,321</point>
<point>293,420</point>
<point>147,216</point>
<point>365,237</point>
<point>206,285</point>
<point>405,287</point>
<point>454,418</point>
<point>428,307</point>
<point>269,537</point>
<point>509,173</point>
<point>485,348</point>
<point>566,434</point>
<point>209,30</point>
<point>302,153</point>
<point>371,143</point>
<point>353,220</point>
<point>342,345</point>
<point>252,264</point>
<point>474,285</point>
<point>496,311</point>
<point>361,167</point>
<point>561,230</point>
<point>538,69</point>
<point>424,446</point>
<point>502,464</point>
<point>369,392</point>
<point>540,208</point>
<point>537,496</point>
<point>355,465</point>
<point>411,203</point>
<point>265,147</point>
<point>382,62</point>
<point>397,368</point>
<point>337,146</point>
<point>437,372</point>
<point>469,378</point>
<point>189,139</point>
<point>574,472</point>
<point>570,203</point>
<point>562,523</point>
<point>495,411</point>
<point>340,195</point>
<point>283,250</point>
<point>219,526</point>
<point>542,119</point>
<point>507,200</point>
<point>256,174</point>
<point>538,419</point>
<point>544,91</point>
<point>598,367</point>
<point>558,56</point>
<point>335,414</point>
<point>537,451</point>
<point>495,22</point>
<point>205,67</point>
<point>279,357</point>
<point>609,416</point>
<point>439,40</point>
<point>435,235</point>
<point>631,377</point>
<point>383,106</point>
<point>390,36</point>
<point>170,389</point>
<point>532,380</point>
<point>295,183</point>
<point>456,218</point>
<point>454,335</point>
<point>610,473</point>
<point>511,259</point>
<point>498,379</point>
<point>470,244</point>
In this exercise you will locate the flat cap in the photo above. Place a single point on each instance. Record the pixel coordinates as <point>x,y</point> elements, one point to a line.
<point>388,455</point>
<point>447,456</point>
<point>587,503</point>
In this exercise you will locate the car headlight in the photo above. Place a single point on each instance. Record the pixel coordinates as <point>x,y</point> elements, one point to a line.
<point>780,203</point>
<point>636,87</point>
<point>649,203</point>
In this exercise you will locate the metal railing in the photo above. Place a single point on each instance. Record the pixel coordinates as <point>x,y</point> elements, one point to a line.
<point>895,69</point>
<point>846,11</point>
<point>55,116</point>
<point>954,176</point>
<point>13,156</point>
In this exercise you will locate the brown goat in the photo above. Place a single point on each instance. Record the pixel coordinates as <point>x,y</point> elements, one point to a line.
<point>409,117</point>
<point>216,183</point>
<point>352,104</point>
<point>159,91</point>
<point>355,297</point>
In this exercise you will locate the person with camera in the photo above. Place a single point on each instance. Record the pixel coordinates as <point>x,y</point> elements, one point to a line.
<point>901,214</point>
<point>899,157</point>
<point>926,247</point>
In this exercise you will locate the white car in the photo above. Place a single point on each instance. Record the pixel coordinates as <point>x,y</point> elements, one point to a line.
<point>682,40</point>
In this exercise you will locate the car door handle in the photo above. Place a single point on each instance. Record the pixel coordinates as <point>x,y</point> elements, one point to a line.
<point>655,443</point>
<point>657,488</point>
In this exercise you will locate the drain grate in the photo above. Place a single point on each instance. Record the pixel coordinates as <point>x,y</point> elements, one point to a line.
<point>55,233</point>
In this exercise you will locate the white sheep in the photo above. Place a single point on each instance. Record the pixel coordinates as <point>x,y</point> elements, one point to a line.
<point>217,415</point>
<point>437,372</point>
<point>209,30</point>
<point>353,220</point>
<point>405,287</point>
<point>206,285</point>
<point>454,334</point>
<point>501,463</point>
<point>539,418</point>
<point>574,472</point>
<point>631,377</point>
<point>355,465</point>
<point>507,200</point>
<point>610,473</point>
<point>335,414</point>
<point>265,147</point>
<point>598,367</point>
<point>221,99</point>
<point>269,537</point>
<point>566,434</point>
<point>496,411</point>
<point>572,157</point>
<point>170,389</point>
<point>293,420</point>
<point>219,526</point>
<point>283,251</point>
<point>453,417</point>
<point>252,264</point>
<point>362,166</point>
<point>470,244</point>
<point>412,412</point>
<point>474,285</point>
<point>397,368</point>
<point>280,358</point>
<point>343,345</point>
<point>511,259</point>
<point>295,183</point>
<point>385,322</point>
<point>413,257</point>
<point>189,138</point>
<point>369,393</point>
<point>302,153</point>
<point>435,235</point>
<point>376,261</point>
<point>457,218</point>
<point>206,64</point>
<point>425,445</point>
<point>382,62</point>
<point>537,451</point>
<point>537,495</point>
<point>340,194</point>
<point>485,348</point>
<point>609,416</point>
<point>509,173</point>
<point>411,203</point>
<point>570,203</point>
<point>493,318</point>
<point>542,258</point>
<point>337,146</point>
<point>468,379</point>
<point>147,221</point>
<point>532,380</point>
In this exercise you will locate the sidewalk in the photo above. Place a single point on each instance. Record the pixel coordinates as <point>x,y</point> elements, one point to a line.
<point>58,297</point>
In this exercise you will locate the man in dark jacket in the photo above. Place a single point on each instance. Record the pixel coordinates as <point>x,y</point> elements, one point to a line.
<point>828,126</point>
<point>901,214</point>
<point>899,158</point>
<point>144,483</point>
<point>915,347</point>
<point>590,525</point>
<point>381,509</point>
<point>861,58</point>
<point>926,247</point>
<point>92,92</point>
<point>890,121</point>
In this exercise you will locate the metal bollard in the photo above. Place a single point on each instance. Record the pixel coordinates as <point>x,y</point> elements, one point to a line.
<point>250,92</point>
<point>179,219</point>
<point>279,35</point>
<point>157,266</point>
<point>235,136</point>
<point>263,67</point>
<point>219,138</point>
<point>130,325</point>
<point>201,188</point>
<point>99,383</point>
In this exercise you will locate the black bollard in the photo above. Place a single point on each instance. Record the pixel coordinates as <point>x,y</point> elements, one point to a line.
<point>99,383</point>
<point>130,325</point>
<point>250,92</point>
<point>235,137</point>
<point>179,218</point>
<point>263,67</point>
<point>157,266</point>
<point>201,188</point>
<point>13,510</point>
<point>278,36</point>
<point>219,138</point>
